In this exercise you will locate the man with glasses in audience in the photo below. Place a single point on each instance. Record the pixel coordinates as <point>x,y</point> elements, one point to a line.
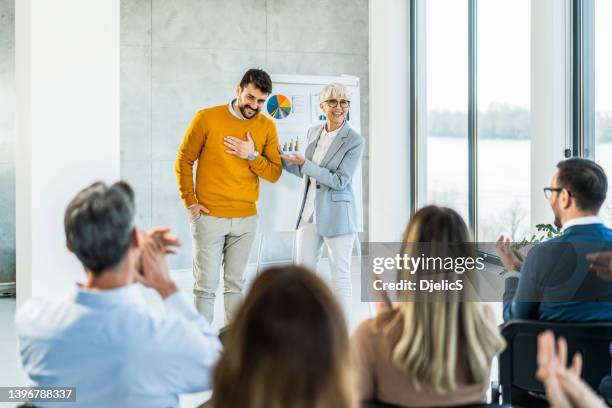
<point>553,281</point>
<point>234,145</point>
<point>102,339</point>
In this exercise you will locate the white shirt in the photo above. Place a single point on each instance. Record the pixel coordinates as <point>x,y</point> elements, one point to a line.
<point>114,351</point>
<point>325,140</point>
<point>593,219</point>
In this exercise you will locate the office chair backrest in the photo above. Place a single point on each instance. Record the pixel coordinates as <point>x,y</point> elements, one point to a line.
<point>518,364</point>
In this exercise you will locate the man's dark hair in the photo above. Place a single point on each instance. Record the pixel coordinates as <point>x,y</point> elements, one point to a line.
<point>99,223</point>
<point>259,78</point>
<point>586,181</point>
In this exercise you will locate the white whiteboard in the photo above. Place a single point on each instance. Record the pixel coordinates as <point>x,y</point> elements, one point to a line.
<point>278,202</point>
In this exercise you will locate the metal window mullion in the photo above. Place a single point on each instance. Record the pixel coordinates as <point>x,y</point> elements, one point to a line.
<point>588,78</point>
<point>414,135</point>
<point>472,119</point>
<point>577,80</point>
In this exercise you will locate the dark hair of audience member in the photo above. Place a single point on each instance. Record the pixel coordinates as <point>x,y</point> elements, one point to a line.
<point>287,348</point>
<point>99,223</point>
<point>585,180</point>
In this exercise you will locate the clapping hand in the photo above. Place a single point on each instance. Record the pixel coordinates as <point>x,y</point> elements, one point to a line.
<point>163,237</point>
<point>510,257</point>
<point>153,267</point>
<point>563,385</point>
<point>601,264</point>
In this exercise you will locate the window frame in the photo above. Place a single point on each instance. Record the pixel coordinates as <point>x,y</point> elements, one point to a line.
<point>418,107</point>
<point>583,79</point>
<point>418,119</point>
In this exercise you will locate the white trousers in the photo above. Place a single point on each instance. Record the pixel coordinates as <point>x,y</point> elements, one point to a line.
<point>339,250</point>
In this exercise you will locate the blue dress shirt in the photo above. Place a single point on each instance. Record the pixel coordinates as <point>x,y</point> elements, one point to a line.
<point>110,347</point>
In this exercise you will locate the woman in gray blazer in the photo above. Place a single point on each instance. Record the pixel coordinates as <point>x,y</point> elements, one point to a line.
<point>328,211</point>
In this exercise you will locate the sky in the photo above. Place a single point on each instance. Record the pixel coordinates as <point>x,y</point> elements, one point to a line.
<point>603,56</point>
<point>504,53</point>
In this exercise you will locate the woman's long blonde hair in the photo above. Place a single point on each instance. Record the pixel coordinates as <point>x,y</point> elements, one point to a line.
<point>287,348</point>
<point>439,334</point>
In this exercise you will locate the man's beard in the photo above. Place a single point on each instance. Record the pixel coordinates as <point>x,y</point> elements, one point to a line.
<point>243,111</point>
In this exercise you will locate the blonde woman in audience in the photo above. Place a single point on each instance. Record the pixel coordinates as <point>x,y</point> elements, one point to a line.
<point>287,348</point>
<point>433,351</point>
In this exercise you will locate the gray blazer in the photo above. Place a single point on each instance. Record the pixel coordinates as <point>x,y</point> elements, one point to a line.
<point>335,204</point>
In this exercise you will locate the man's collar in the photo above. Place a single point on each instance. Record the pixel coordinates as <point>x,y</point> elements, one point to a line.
<point>125,295</point>
<point>592,219</point>
<point>233,112</point>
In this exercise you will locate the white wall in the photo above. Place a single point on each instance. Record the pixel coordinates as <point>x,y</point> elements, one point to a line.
<point>550,97</point>
<point>389,147</point>
<point>67,76</point>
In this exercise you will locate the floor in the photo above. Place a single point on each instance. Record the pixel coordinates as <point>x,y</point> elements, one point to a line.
<point>12,374</point>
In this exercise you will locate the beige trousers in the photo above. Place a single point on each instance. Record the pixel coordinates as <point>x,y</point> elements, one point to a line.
<point>220,242</point>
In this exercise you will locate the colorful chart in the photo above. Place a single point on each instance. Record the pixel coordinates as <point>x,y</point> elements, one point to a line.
<point>279,106</point>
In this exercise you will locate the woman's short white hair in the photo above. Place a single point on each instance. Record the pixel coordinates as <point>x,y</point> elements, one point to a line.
<point>333,90</point>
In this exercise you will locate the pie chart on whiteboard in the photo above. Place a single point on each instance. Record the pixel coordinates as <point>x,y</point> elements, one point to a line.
<point>279,106</point>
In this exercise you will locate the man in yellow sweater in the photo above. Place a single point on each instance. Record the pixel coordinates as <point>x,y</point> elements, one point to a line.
<point>234,145</point>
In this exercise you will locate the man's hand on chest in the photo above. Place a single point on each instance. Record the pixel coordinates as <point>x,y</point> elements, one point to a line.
<point>240,148</point>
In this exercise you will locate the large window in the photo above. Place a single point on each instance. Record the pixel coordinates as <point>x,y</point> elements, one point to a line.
<point>592,98</point>
<point>473,105</point>
<point>603,93</point>
<point>503,82</point>
<point>476,103</point>
<point>447,103</point>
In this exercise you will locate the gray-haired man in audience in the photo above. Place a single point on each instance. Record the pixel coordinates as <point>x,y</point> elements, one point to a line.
<point>102,339</point>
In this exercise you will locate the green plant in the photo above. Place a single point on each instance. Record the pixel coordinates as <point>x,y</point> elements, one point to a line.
<point>545,232</point>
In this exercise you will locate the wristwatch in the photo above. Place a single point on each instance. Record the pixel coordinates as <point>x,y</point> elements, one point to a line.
<point>253,155</point>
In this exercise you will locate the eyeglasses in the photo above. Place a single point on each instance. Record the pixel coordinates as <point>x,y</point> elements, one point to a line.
<point>332,103</point>
<point>549,190</point>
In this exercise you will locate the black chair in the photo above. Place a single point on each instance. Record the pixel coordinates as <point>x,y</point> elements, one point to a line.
<point>517,364</point>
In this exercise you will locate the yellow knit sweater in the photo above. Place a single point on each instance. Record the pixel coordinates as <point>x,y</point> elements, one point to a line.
<point>225,184</point>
